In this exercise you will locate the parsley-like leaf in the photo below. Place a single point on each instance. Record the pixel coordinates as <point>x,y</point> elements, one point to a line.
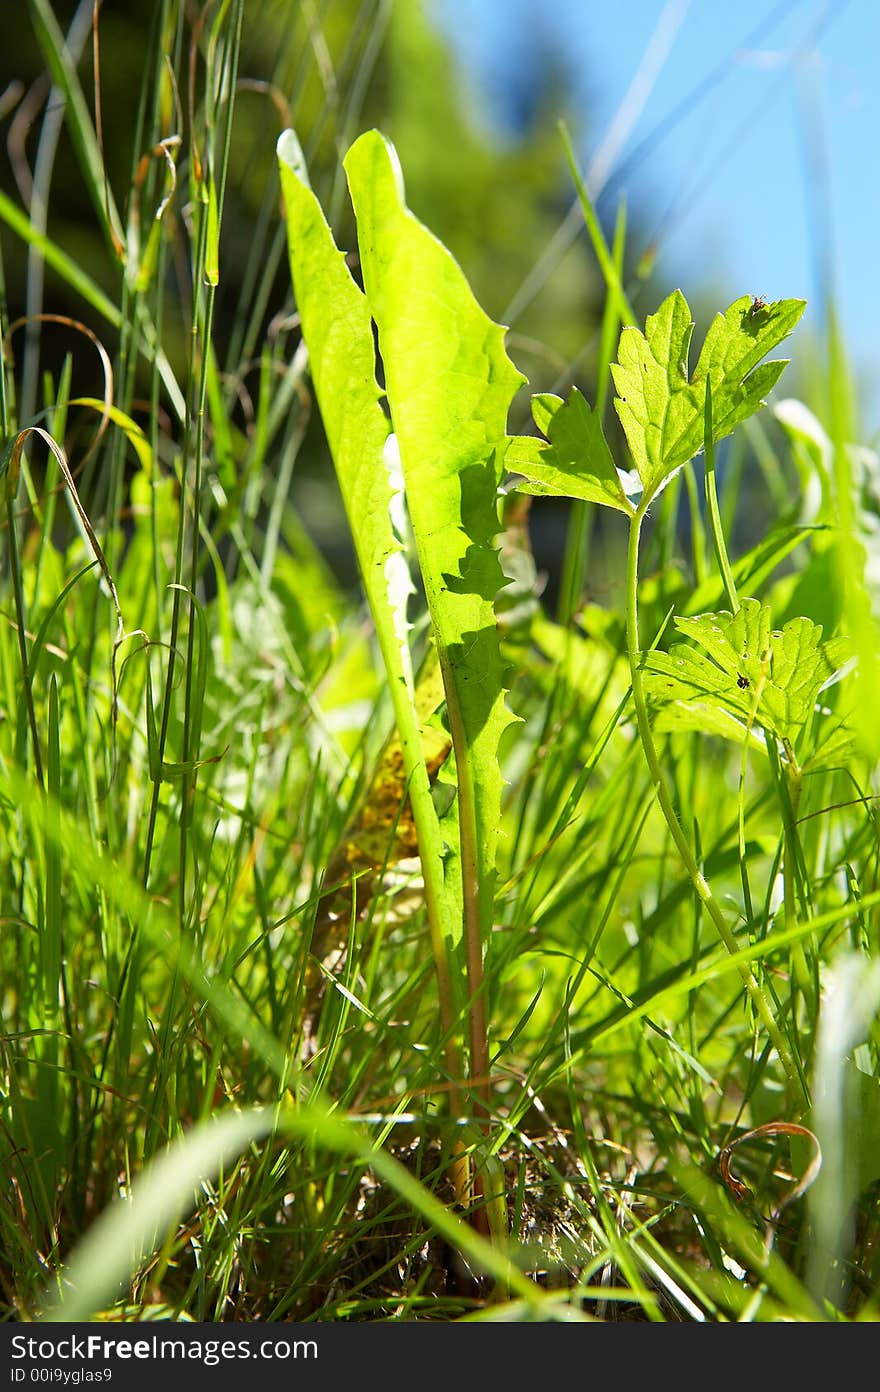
<point>661,406</point>
<point>577,463</point>
<point>767,676</point>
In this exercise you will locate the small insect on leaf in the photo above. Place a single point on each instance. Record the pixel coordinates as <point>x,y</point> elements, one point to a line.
<point>661,406</point>
<point>737,655</point>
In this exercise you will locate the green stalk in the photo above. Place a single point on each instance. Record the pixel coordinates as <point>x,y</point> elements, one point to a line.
<point>208,265</point>
<point>794,785</point>
<point>789,782</point>
<point>10,492</point>
<point>756,994</point>
<point>607,265</point>
<point>430,844</point>
<point>698,531</point>
<point>713,510</point>
<point>470,876</point>
<point>577,540</point>
<point>21,629</point>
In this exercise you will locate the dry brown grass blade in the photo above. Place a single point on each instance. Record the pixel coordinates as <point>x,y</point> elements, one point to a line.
<point>795,1191</point>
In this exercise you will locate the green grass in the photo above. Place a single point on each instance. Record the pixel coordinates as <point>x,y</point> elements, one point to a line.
<point>231,1087</point>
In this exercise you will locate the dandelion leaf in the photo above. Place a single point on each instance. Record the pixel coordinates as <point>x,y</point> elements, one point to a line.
<point>336,321</point>
<point>449,383</point>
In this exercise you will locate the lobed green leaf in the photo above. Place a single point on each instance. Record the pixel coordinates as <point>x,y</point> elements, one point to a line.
<point>577,462</point>
<point>661,406</point>
<point>767,676</point>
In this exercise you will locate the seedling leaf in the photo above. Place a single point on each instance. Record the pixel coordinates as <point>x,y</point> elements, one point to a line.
<point>762,676</point>
<point>661,407</point>
<point>577,463</point>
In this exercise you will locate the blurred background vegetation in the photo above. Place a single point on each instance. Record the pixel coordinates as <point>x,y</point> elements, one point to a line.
<point>486,172</point>
<point>330,70</point>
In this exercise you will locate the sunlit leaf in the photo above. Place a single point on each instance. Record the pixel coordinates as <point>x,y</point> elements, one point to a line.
<point>661,406</point>
<point>337,327</point>
<point>450,384</point>
<point>707,719</point>
<point>577,463</point>
<point>769,677</point>
<point>335,318</point>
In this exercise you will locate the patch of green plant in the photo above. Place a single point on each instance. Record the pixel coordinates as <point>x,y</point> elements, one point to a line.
<point>385,945</point>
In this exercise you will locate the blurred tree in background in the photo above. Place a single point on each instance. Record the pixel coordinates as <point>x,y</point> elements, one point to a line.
<point>330,70</point>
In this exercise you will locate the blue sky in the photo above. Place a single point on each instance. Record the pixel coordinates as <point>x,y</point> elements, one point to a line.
<point>770,174</point>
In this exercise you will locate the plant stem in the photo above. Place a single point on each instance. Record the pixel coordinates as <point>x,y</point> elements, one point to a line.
<point>757,996</point>
<point>791,781</point>
<point>577,540</point>
<point>471,893</point>
<point>713,510</point>
<point>430,853</point>
<point>486,1173</point>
